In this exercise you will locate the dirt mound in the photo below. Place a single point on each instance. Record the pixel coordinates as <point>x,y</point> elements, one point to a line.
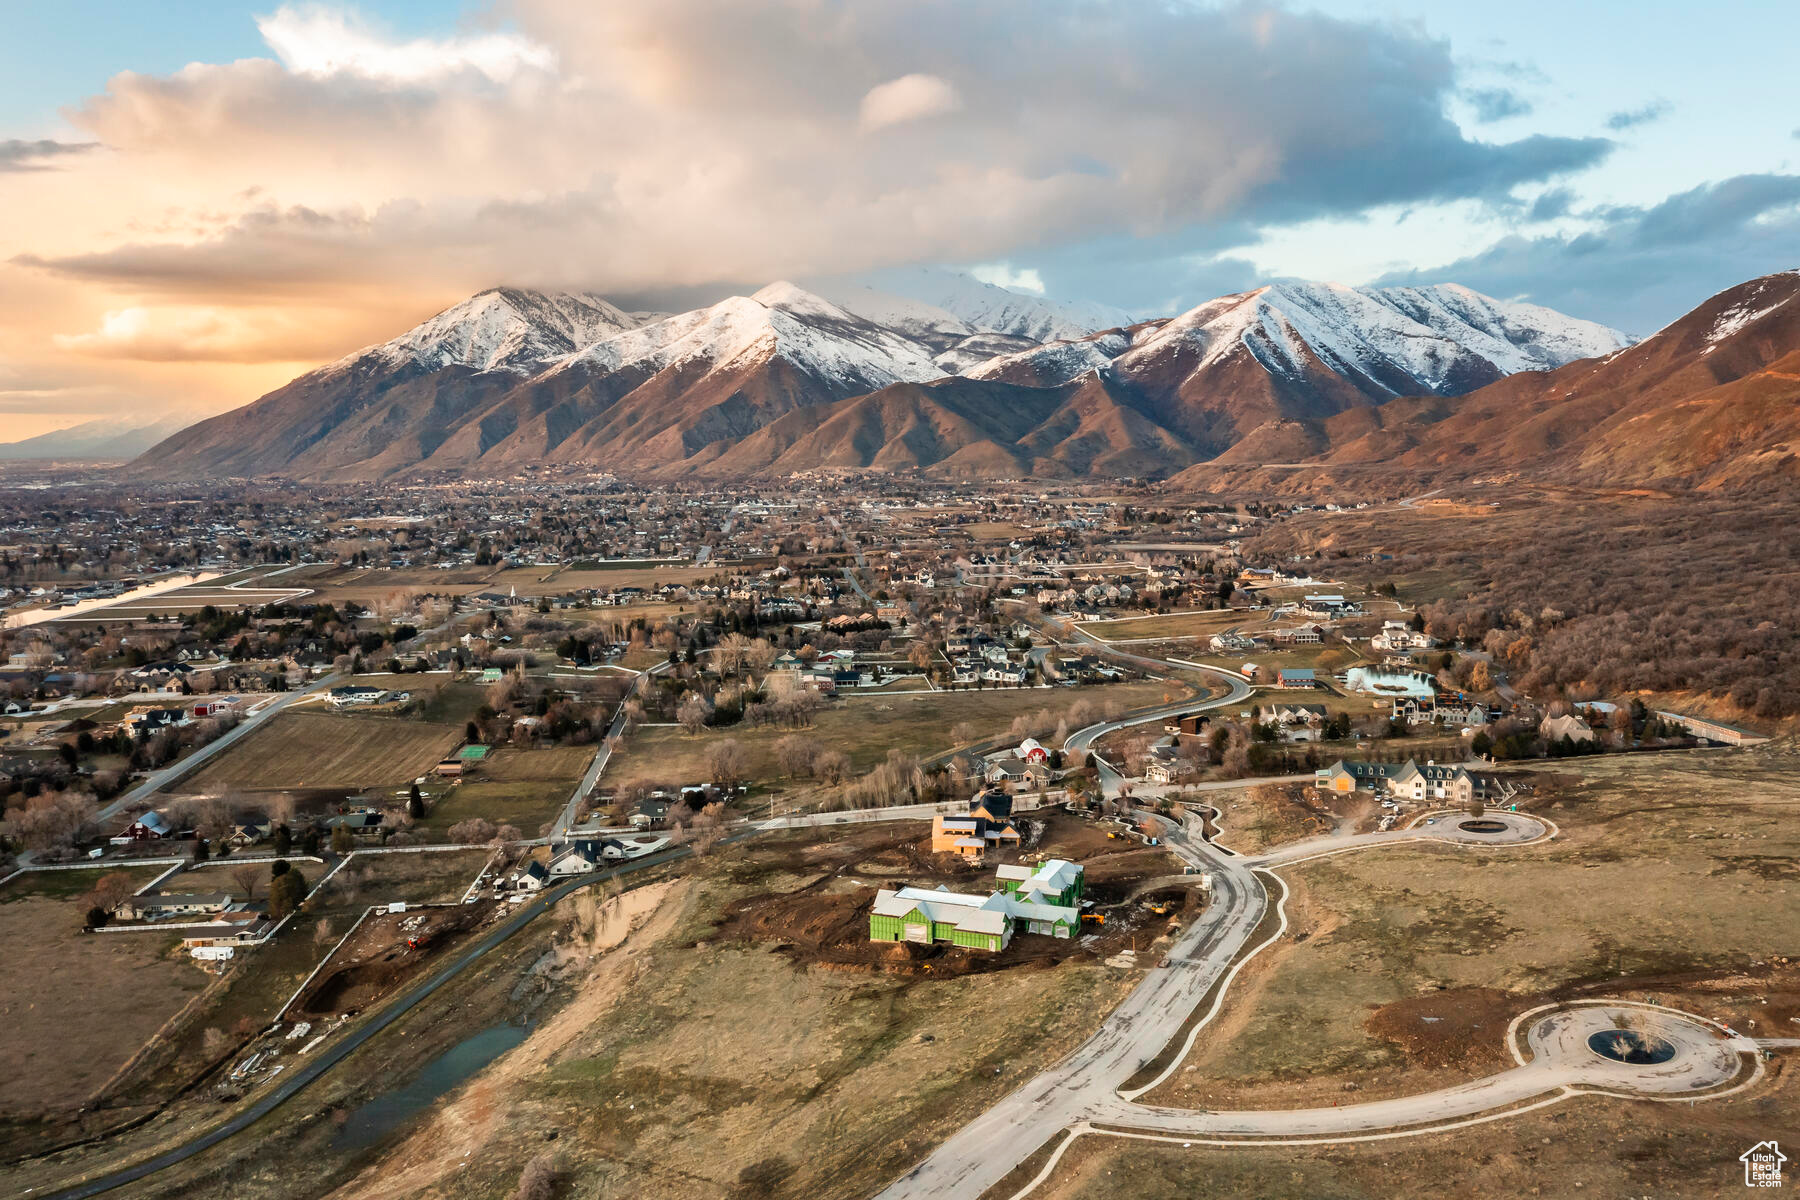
<point>386,949</point>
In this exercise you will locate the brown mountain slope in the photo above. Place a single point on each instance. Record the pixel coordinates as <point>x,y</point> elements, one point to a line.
<point>1711,401</point>
<point>1708,399</point>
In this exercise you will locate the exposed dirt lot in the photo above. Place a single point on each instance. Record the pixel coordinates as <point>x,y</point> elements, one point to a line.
<point>825,920</point>
<point>387,950</point>
<point>326,750</point>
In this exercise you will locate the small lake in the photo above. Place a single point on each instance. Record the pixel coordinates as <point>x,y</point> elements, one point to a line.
<point>372,1122</point>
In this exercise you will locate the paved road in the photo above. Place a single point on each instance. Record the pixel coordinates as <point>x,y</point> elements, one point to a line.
<point>331,1056</point>
<point>981,1153</point>
<point>1705,1058</point>
<point>602,756</point>
<point>1519,830</point>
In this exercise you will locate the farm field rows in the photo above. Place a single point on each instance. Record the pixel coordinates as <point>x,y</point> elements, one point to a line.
<point>326,750</point>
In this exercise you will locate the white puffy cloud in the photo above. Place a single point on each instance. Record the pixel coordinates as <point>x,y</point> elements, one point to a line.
<point>1000,274</point>
<point>315,40</point>
<point>908,98</point>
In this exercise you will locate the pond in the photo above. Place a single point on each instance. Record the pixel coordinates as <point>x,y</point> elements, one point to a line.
<point>1630,1046</point>
<point>372,1122</point>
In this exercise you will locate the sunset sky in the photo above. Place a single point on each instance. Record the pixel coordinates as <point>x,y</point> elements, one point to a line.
<point>203,199</point>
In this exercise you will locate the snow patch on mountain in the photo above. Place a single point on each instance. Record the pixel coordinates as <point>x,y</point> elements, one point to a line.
<point>1058,362</point>
<point>805,329</point>
<point>985,306</point>
<point>1430,336</point>
<point>902,314</point>
<point>504,329</point>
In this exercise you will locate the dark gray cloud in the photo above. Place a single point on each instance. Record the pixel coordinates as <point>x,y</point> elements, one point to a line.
<point>1496,104</point>
<point>1557,202</point>
<point>1643,267</point>
<point>1619,122</point>
<point>39,155</point>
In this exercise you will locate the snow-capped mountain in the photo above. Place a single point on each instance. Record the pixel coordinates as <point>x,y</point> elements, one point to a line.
<point>1440,340</point>
<point>809,332</point>
<point>980,306</point>
<point>505,329</point>
<point>511,378</point>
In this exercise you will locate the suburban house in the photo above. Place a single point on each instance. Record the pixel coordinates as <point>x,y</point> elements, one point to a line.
<point>156,907</point>
<point>1451,783</point>
<point>351,694</point>
<point>1011,769</point>
<point>1027,901</point>
<point>364,823</point>
<point>1555,729</point>
<point>1346,776</point>
<point>1296,677</point>
<point>1399,636</point>
<point>988,825</point>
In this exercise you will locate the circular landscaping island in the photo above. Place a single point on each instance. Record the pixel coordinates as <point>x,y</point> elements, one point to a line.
<point>1483,825</point>
<point>1630,1046</point>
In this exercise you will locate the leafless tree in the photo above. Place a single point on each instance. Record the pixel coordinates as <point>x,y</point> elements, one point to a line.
<point>248,878</point>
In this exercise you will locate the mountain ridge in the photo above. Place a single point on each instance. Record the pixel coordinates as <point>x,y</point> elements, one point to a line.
<point>1290,372</point>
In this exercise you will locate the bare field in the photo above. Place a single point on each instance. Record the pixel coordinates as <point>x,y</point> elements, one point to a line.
<point>544,581</point>
<point>915,723</point>
<point>560,764</point>
<point>76,1006</point>
<point>1199,623</point>
<point>527,805</point>
<point>326,750</point>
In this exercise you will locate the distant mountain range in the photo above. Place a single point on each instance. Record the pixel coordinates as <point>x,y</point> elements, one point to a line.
<point>104,439</point>
<point>961,379</point>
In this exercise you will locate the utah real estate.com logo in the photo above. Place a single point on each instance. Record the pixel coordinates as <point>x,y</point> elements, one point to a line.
<point>1762,1165</point>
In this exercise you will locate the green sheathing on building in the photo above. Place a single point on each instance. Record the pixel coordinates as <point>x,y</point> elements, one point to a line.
<point>893,929</point>
<point>975,941</point>
<point>888,929</point>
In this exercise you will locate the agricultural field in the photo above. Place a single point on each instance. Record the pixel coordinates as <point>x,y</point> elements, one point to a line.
<point>1195,623</point>
<point>553,581</point>
<point>124,986</point>
<point>326,750</point>
<point>917,724</point>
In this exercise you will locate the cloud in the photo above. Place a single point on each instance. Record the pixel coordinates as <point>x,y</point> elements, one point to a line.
<point>1497,104</point>
<point>908,98</point>
<point>1557,202</point>
<point>1638,268</point>
<point>1619,122</point>
<point>18,155</point>
<point>1001,274</point>
<point>189,334</point>
<point>319,41</point>
<point>676,142</point>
